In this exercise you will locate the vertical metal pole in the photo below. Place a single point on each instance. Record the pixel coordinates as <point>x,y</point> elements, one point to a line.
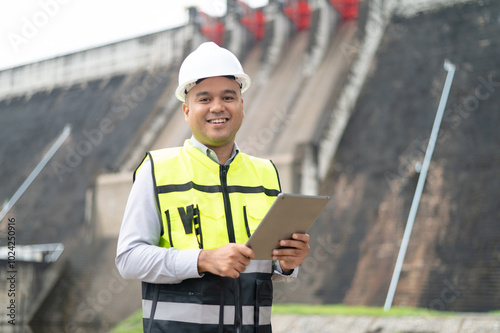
<point>46,158</point>
<point>450,68</point>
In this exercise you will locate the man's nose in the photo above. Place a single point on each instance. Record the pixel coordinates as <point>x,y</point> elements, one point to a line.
<point>217,106</point>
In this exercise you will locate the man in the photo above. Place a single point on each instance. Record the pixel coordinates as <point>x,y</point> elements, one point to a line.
<point>192,208</point>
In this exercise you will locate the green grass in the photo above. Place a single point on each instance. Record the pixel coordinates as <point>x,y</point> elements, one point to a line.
<point>133,324</point>
<point>344,310</point>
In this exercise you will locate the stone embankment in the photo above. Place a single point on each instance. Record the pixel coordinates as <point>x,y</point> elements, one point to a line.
<point>463,323</point>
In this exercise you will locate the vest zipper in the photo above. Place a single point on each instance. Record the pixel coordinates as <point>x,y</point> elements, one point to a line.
<point>232,239</point>
<point>227,205</point>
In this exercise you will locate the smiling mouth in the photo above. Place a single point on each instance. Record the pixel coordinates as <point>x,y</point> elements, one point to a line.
<point>218,121</point>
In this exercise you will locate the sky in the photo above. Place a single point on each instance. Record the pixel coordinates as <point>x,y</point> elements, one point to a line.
<point>32,30</point>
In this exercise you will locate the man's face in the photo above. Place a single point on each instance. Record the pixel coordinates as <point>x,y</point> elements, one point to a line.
<point>214,111</point>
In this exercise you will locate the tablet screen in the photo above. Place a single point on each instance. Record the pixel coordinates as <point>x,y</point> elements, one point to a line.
<point>290,213</point>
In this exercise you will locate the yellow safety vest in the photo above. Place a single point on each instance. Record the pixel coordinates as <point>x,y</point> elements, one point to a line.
<point>206,205</point>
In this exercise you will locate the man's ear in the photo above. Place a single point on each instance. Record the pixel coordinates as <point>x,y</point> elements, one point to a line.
<point>185,109</point>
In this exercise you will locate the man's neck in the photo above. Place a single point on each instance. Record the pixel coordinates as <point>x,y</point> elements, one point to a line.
<point>223,153</point>
<point>219,154</point>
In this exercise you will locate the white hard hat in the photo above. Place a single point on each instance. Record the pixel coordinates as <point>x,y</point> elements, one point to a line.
<point>209,60</point>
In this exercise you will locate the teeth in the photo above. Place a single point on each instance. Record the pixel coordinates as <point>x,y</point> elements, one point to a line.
<point>218,121</point>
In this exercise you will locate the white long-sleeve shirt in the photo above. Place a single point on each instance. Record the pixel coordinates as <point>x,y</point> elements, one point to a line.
<point>138,256</point>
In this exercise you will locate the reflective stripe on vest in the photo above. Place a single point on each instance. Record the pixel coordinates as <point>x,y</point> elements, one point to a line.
<point>204,314</point>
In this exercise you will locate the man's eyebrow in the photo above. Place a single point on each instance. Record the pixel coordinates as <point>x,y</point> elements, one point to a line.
<point>226,91</point>
<point>201,93</point>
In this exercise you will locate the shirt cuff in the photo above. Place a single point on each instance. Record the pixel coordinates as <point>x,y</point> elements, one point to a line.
<point>278,270</point>
<point>186,264</point>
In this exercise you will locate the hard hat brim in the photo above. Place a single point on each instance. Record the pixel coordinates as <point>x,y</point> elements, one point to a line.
<point>181,91</point>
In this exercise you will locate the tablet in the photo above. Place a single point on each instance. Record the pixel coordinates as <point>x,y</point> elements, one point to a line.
<point>290,213</point>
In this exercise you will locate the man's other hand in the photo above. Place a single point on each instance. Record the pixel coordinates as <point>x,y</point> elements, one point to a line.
<point>294,252</point>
